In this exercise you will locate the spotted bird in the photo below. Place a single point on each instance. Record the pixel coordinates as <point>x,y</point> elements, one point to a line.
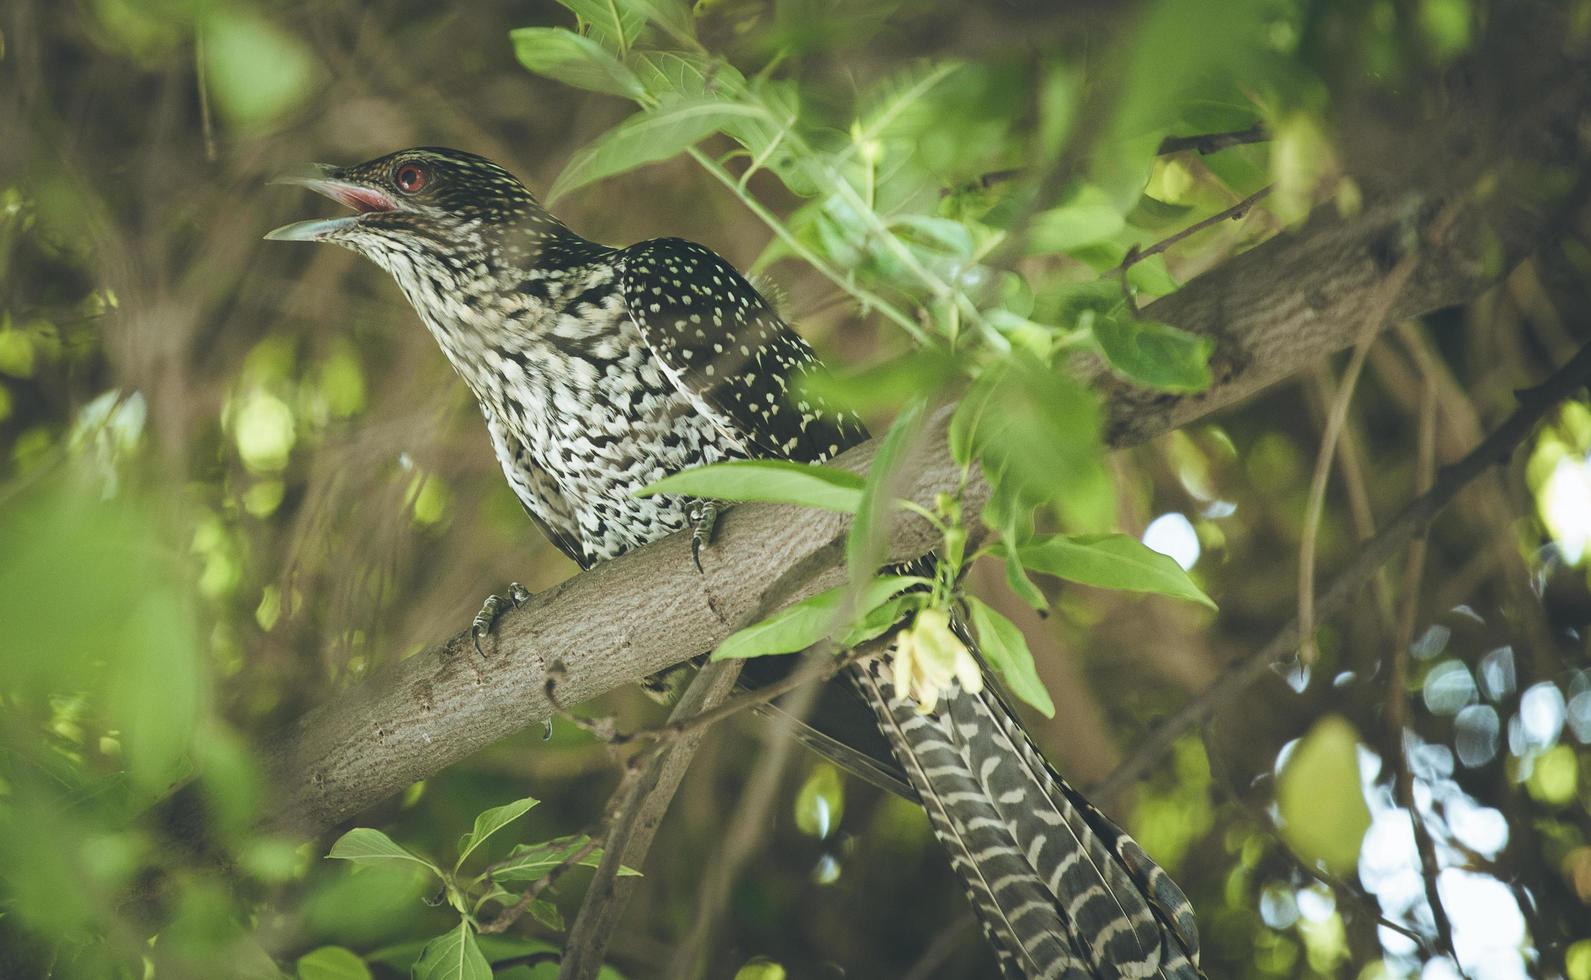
<point>600,370</point>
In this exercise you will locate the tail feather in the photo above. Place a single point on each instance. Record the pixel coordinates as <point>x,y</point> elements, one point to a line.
<point>1060,890</point>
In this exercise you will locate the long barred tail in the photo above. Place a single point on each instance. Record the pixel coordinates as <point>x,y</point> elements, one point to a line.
<point>1061,892</point>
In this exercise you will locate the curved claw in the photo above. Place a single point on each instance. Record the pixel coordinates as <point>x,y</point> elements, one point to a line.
<point>702,515</point>
<point>492,608</point>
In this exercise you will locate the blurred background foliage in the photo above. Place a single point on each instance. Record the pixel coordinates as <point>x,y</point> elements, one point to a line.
<point>236,478</point>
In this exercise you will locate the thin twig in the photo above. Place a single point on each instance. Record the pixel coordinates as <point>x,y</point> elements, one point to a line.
<point>634,812</point>
<point>1397,682</point>
<point>1214,142</point>
<point>1336,418</point>
<point>744,832</point>
<point>202,80</point>
<point>815,669</point>
<point>1492,451</point>
<point>1204,144</point>
<point>1236,212</point>
<point>511,914</point>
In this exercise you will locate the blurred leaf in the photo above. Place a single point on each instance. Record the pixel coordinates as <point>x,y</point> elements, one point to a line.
<point>768,480</point>
<point>1087,215</point>
<point>1319,799</point>
<point>453,955</point>
<point>821,801</point>
<point>864,548</point>
<point>366,844</point>
<point>1155,354</point>
<point>883,386</point>
<point>647,137</point>
<point>760,968</point>
<point>612,23</point>
<point>489,822</point>
<point>529,862</point>
<point>256,71</point>
<point>567,57</point>
<point>1554,776</point>
<point>799,626</point>
<point>1040,444</point>
<point>332,963</point>
<point>1111,561</point>
<point>674,16</point>
<point>1005,650</point>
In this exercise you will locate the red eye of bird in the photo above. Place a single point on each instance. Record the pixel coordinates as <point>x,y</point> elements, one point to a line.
<point>411,178</point>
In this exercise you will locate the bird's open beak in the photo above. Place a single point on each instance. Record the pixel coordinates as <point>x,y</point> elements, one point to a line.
<point>327,180</point>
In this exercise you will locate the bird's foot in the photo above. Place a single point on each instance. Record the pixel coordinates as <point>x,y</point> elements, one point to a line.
<point>702,514</point>
<point>492,608</point>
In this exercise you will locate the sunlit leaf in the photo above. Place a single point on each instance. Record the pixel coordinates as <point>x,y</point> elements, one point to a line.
<point>767,480</point>
<point>572,59</point>
<point>647,137</point>
<point>256,70</point>
<point>453,955</point>
<point>821,802</point>
<point>1155,354</point>
<point>366,844</point>
<point>1322,807</point>
<point>490,822</point>
<point>332,963</point>
<point>1005,650</point>
<point>799,626</point>
<point>1111,561</point>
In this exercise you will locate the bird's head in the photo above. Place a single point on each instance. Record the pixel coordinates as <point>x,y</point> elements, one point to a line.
<point>427,200</point>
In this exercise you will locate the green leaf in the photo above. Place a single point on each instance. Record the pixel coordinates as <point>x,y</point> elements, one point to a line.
<point>567,57</point>
<point>490,822</point>
<point>257,71</point>
<point>799,626</point>
<point>1155,354</point>
<point>453,956</point>
<point>547,914</point>
<point>864,548</point>
<point>1089,215</point>
<point>1111,561</point>
<point>528,862</point>
<point>647,137</point>
<point>1017,577</point>
<point>366,844</point>
<point>612,23</point>
<point>1040,443</point>
<point>1319,797</point>
<point>964,424</point>
<point>402,956</point>
<point>776,481</point>
<point>673,16</point>
<point>883,617</point>
<point>332,963</point>
<point>1005,650</point>
<point>887,385</point>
